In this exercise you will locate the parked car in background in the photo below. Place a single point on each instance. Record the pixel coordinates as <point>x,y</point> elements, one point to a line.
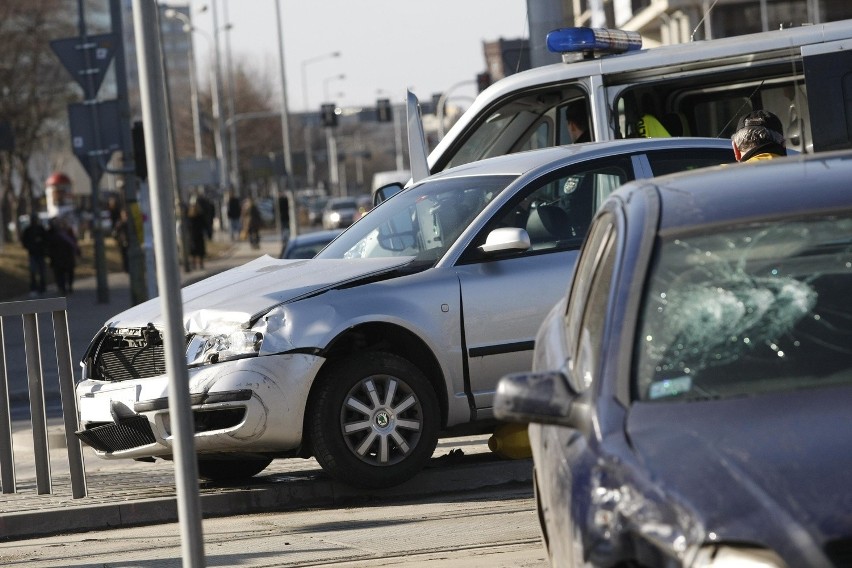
<point>339,212</point>
<point>689,398</point>
<point>365,203</point>
<point>395,333</point>
<point>315,209</point>
<point>307,245</point>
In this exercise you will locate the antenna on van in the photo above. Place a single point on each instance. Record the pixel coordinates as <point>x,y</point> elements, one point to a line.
<point>736,115</point>
<point>704,17</point>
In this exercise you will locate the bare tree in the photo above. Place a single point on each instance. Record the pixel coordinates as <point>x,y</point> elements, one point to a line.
<point>34,93</point>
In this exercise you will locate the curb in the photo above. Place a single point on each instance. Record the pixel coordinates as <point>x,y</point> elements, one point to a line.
<point>287,493</point>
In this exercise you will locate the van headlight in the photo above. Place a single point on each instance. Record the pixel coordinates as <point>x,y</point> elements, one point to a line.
<point>210,349</point>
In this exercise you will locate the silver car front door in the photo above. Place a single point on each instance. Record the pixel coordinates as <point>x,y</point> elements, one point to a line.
<point>505,299</point>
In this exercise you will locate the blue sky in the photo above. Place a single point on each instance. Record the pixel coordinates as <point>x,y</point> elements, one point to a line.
<point>386,46</point>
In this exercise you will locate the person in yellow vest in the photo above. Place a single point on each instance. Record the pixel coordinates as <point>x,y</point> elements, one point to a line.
<point>759,136</point>
<point>650,127</point>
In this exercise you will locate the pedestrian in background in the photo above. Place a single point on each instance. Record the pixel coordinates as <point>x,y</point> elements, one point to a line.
<point>63,250</point>
<point>234,212</point>
<point>208,211</point>
<point>759,136</point>
<point>250,221</point>
<point>34,239</point>
<point>196,219</point>
<point>120,232</point>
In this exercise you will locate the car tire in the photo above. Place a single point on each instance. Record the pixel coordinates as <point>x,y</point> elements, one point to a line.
<point>231,469</point>
<point>362,438</point>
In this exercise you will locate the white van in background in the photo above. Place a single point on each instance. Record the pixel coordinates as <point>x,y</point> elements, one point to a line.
<point>695,89</point>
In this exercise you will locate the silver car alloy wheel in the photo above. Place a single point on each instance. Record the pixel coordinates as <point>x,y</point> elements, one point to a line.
<point>381,420</point>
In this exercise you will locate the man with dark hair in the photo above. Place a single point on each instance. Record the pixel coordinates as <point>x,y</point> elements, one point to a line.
<point>577,118</point>
<point>759,136</point>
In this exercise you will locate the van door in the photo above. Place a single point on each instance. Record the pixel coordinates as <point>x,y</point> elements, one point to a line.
<point>828,77</point>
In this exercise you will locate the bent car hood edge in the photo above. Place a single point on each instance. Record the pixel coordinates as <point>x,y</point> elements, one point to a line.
<point>235,295</point>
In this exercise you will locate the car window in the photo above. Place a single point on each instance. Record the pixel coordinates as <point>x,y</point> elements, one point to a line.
<point>587,362</point>
<point>672,161</point>
<point>747,309</point>
<point>533,120</point>
<point>556,211</point>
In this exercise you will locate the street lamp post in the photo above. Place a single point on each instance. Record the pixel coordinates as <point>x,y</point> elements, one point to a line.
<point>220,122</point>
<point>325,83</point>
<point>309,159</point>
<point>285,137</point>
<point>193,79</point>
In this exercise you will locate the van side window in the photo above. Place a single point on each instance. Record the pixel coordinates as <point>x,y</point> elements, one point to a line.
<point>710,104</point>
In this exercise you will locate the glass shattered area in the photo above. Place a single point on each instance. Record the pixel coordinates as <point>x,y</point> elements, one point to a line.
<point>747,310</point>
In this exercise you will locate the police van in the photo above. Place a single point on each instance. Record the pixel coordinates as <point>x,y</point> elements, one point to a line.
<point>803,75</point>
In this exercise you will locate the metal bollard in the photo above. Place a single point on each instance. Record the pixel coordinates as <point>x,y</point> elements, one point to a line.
<point>28,311</point>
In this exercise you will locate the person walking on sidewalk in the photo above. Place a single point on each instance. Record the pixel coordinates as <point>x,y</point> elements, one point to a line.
<point>63,250</point>
<point>34,239</point>
<point>234,213</point>
<point>197,225</point>
<point>251,221</point>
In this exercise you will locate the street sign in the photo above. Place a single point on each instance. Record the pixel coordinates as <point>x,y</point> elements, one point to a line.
<point>95,134</point>
<point>87,60</point>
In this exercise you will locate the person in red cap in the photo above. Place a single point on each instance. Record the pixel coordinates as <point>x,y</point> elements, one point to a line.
<point>759,136</point>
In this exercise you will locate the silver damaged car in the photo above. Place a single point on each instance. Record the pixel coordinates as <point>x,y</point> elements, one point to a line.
<point>394,335</point>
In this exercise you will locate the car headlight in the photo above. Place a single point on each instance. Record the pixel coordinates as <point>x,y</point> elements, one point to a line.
<point>335,217</point>
<point>208,349</point>
<point>726,556</point>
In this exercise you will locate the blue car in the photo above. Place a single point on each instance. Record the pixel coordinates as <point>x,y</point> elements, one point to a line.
<point>307,245</point>
<point>690,402</point>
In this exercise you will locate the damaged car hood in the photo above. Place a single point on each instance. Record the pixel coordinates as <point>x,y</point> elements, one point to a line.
<point>234,296</point>
<point>776,472</point>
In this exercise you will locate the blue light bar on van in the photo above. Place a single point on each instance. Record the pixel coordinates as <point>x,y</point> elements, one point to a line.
<point>588,41</point>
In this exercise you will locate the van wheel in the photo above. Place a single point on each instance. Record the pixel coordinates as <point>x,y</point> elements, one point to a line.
<point>374,421</point>
<point>231,469</point>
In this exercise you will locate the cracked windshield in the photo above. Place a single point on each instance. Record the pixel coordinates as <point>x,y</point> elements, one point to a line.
<point>421,222</point>
<point>748,310</point>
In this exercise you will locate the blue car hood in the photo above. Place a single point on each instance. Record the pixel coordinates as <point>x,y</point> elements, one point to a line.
<point>234,296</point>
<point>774,469</point>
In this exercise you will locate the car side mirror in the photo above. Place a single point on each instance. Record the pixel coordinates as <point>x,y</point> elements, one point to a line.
<point>385,192</point>
<point>536,397</point>
<point>506,239</point>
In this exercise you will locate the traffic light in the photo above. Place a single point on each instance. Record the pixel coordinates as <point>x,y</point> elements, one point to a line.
<point>384,111</point>
<point>436,102</point>
<point>328,115</point>
<point>483,80</point>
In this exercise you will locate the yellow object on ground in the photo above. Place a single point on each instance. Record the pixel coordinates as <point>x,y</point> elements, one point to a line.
<point>510,441</point>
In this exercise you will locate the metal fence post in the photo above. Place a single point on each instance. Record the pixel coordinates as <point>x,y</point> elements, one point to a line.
<point>7,459</point>
<point>38,416</point>
<point>29,311</point>
<point>69,403</point>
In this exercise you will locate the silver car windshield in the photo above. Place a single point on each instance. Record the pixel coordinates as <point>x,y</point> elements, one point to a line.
<point>421,222</point>
<point>748,310</point>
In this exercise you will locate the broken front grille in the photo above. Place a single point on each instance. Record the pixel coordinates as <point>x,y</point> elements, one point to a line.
<point>124,435</point>
<point>123,354</point>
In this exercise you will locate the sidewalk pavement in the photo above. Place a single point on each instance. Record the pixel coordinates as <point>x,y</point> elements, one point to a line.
<point>125,493</point>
